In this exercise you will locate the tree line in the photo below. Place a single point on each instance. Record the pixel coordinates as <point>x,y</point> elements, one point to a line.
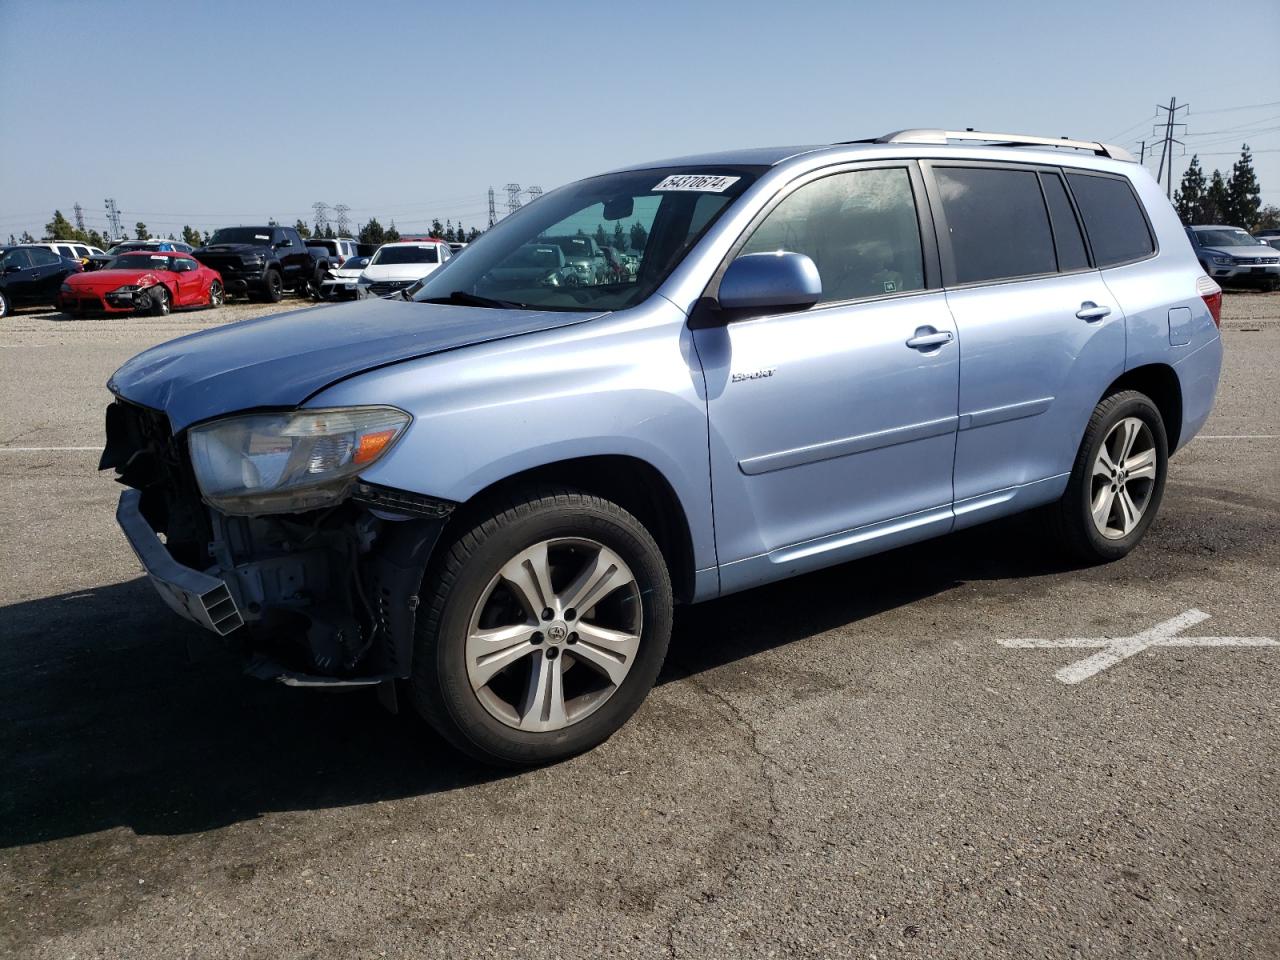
<point>1233,200</point>
<point>371,232</point>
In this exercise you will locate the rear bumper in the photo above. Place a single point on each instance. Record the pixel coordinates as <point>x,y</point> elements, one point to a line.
<point>196,596</point>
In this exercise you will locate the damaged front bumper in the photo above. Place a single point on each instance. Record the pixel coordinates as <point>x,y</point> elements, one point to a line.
<point>323,598</point>
<point>199,597</point>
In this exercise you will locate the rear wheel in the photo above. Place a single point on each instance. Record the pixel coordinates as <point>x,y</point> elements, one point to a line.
<point>217,296</point>
<point>548,622</point>
<point>1117,481</point>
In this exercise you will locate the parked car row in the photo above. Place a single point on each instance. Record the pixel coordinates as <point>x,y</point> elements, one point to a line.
<point>1230,255</point>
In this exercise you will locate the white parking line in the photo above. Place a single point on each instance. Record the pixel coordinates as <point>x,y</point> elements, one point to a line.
<point>46,449</point>
<point>1239,436</point>
<point>1116,649</point>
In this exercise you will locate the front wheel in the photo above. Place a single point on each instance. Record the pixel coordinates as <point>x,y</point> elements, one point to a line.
<point>1117,481</point>
<point>5,307</point>
<point>547,621</point>
<point>274,286</point>
<point>161,303</point>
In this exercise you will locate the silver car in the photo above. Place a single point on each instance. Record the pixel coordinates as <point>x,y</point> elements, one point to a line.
<point>1230,255</point>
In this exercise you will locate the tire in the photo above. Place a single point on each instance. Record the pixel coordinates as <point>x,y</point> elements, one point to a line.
<point>499,720</point>
<point>217,295</point>
<point>1118,487</point>
<point>274,286</point>
<point>161,302</point>
<point>6,307</point>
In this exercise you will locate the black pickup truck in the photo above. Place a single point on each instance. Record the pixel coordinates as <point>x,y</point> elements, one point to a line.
<point>263,262</point>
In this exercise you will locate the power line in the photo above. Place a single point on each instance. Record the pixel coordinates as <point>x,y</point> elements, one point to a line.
<point>1247,106</point>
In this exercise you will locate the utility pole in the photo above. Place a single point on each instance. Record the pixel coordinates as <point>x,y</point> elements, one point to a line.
<point>513,198</point>
<point>340,214</point>
<point>113,218</point>
<point>1142,152</point>
<point>79,216</point>
<point>493,209</point>
<point>322,215</point>
<point>1166,149</point>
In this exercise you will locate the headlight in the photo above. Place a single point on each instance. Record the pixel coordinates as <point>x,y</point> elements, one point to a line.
<point>362,279</point>
<point>1224,261</point>
<point>289,462</point>
<point>128,290</point>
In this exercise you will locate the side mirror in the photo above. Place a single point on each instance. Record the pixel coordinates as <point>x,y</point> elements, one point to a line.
<point>770,281</point>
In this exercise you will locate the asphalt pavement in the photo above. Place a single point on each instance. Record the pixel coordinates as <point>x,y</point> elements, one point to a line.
<point>849,764</point>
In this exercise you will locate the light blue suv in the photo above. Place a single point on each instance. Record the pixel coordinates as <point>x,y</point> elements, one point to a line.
<point>487,496</point>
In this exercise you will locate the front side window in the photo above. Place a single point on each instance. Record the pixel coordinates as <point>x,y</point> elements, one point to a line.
<point>1113,219</point>
<point>15,260</point>
<point>859,228</point>
<point>657,215</point>
<point>996,222</point>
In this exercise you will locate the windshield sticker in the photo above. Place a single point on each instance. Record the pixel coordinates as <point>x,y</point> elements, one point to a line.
<point>161,259</point>
<point>699,182</point>
<point>261,236</point>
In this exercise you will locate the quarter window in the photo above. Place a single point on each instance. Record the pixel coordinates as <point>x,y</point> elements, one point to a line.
<point>859,228</point>
<point>1066,229</point>
<point>997,223</point>
<point>1117,229</point>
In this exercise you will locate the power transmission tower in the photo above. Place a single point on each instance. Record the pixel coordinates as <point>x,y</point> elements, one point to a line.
<point>79,216</point>
<point>493,209</point>
<point>1166,149</point>
<point>534,193</point>
<point>513,198</point>
<point>340,214</point>
<point>113,218</point>
<point>322,215</point>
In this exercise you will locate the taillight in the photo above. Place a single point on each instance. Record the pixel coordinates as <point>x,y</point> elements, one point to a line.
<point>1211,294</point>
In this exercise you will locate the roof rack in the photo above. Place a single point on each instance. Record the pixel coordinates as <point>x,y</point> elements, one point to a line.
<point>1006,139</point>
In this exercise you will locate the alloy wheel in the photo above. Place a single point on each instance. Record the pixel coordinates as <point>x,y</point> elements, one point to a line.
<point>554,634</point>
<point>216,296</point>
<point>1124,475</point>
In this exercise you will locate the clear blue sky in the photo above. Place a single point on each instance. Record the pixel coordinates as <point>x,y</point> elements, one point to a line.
<point>231,111</point>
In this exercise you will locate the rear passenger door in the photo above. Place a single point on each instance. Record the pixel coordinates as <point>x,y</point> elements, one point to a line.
<point>1040,335</point>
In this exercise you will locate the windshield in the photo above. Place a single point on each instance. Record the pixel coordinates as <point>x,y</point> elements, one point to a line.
<point>120,248</point>
<point>548,255</point>
<point>256,235</point>
<point>141,261</point>
<point>1225,238</point>
<point>388,255</point>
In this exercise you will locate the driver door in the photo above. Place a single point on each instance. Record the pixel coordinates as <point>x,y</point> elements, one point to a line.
<point>833,429</point>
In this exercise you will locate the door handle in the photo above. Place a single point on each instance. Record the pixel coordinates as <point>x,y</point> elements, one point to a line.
<point>1091,311</point>
<point>927,338</point>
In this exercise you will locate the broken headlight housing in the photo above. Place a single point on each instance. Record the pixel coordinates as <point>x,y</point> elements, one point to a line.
<point>289,462</point>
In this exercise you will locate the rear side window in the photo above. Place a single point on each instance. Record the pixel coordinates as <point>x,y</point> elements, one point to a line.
<point>997,223</point>
<point>1117,228</point>
<point>1066,230</point>
<point>43,258</point>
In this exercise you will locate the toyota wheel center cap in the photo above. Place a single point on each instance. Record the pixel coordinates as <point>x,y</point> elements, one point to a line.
<point>557,632</point>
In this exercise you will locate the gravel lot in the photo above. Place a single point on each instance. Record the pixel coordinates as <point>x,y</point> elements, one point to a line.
<point>848,764</point>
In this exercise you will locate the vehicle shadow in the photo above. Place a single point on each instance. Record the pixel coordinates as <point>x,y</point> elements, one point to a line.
<point>112,721</point>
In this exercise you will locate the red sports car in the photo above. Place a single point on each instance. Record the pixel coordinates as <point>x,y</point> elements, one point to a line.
<point>143,281</point>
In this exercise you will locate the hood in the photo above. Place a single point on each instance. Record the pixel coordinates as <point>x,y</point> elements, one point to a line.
<point>109,279</point>
<point>398,271</point>
<point>281,360</point>
<point>238,249</point>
